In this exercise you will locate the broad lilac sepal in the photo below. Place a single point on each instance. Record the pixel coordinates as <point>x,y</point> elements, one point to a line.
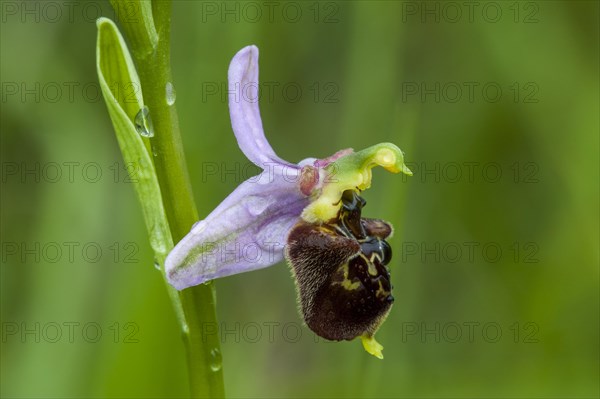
<point>249,229</point>
<point>245,232</point>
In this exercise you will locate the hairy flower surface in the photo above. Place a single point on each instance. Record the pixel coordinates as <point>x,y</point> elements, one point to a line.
<point>309,212</point>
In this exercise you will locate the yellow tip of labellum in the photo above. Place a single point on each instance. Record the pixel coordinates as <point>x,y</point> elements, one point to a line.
<point>372,346</point>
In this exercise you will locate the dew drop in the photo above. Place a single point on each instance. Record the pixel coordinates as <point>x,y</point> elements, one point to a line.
<point>156,265</point>
<point>171,95</point>
<point>216,360</point>
<point>256,205</point>
<point>143,123</point>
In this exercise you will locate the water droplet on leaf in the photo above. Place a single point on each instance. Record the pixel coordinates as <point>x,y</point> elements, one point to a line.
<point>171,95</point>
<point>156,265</point>
<point>143,123</point>
<point>216,360</point>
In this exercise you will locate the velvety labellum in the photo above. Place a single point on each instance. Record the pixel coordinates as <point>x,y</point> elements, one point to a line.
<point>340,269</point>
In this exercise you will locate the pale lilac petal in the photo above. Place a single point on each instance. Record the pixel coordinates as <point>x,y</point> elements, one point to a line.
<point>243,108</point>
<point>247,231</point>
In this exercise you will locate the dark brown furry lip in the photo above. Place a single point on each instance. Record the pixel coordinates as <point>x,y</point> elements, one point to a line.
<point>340,270</point>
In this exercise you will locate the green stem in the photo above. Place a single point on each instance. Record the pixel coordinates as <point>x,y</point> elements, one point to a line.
<point>197,303</point>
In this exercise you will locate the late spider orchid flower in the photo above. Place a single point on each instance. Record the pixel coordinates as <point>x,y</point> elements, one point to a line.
<point>309,212</point>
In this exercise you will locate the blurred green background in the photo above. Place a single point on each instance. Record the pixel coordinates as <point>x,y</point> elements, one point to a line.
<point>496,247</point>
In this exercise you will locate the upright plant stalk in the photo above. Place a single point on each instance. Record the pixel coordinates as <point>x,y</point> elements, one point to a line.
<point>148,31</point>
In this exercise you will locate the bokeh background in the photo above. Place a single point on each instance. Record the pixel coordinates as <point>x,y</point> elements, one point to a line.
<point>496,246</point>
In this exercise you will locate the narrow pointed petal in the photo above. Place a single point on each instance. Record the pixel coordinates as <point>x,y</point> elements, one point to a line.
<point>244,111</point>
<point>247,231</point>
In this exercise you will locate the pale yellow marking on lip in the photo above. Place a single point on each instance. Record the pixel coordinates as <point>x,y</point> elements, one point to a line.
<point>381,292</point>
<point>370,266</point>
<point>346,283</point>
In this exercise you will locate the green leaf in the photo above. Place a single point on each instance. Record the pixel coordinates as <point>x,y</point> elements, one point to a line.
<point>116,73</point>
<point>122,92</point>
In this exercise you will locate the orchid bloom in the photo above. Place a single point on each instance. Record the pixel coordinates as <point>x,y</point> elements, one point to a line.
<point>308,212</point>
